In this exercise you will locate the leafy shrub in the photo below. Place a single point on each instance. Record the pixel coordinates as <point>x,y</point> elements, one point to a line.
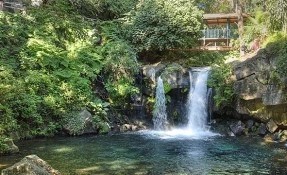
<point>120,67</point>
<point>276,46</point>
<point>99,110</point>
<point>220,80</point>
<point>3,146</point>
<point>257,27</point>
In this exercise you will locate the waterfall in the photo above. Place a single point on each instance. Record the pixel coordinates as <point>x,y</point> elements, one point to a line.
<point>197,105</point>
<point>198,109</point>
<point>159,112</point>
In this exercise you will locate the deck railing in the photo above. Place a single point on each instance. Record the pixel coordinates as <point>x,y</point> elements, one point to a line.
<point>217,33</point>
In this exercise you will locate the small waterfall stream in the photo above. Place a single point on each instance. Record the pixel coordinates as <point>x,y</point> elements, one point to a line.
<point>159,112</point>
<point>197,104</point>
<point>210,103</point>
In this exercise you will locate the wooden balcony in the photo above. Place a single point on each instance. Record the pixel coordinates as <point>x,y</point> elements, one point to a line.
<point>216,39</point>
<point>218,33</point>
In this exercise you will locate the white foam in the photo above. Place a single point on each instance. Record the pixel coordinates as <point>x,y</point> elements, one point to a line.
<point>178,134</point>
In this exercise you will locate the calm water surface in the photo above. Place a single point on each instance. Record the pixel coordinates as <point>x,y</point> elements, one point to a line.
<point>155,154</point>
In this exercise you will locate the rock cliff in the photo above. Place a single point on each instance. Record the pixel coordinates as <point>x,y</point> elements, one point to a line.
<point>258,94</point>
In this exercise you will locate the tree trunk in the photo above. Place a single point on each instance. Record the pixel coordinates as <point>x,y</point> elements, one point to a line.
<point>240,28</point>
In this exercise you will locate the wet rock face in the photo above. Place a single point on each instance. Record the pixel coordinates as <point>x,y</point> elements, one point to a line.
<point>257,94</point>
<point>176,82</point>
<point>248,127</point>
<point>175,75</point>
<point>237,128</point>
<point>30,165</point>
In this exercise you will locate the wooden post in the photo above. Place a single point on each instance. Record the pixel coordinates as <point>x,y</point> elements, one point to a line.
<point>205,33</point>
<point>1,5</point>
<point>227,32</point>
<point>240,27</point>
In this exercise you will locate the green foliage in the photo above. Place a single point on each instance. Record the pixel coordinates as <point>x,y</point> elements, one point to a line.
<point>276,46</point>
<point>3,146</point>
<point>278,14</point>
<point>214,6</point>
<point>47,66</point>
<point>104,9</point>
<point>167,87</point>
<point>120,66</point>
<point>275,42</point>
<point>205,58</point>
<point>188,58</point>
<point>220,80</point>
<point>256,28</point>
<point>161,24</point>
<point>99,110</point>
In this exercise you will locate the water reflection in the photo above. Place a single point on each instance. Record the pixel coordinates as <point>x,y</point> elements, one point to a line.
<point>141,153</point>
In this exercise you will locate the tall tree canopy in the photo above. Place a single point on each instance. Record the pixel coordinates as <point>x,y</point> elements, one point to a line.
<point>278,13</point>
<point>164,24</point>
<point>104,9</point>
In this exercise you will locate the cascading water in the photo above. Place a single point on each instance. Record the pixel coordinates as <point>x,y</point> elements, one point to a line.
<point>197,105</point>
<point>197,110</point>
<point>159,112</point>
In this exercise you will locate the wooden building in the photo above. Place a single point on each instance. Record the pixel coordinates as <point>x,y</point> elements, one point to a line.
<point>218,32</point>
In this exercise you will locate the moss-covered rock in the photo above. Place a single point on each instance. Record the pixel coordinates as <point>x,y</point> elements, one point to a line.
<point>79,124</point>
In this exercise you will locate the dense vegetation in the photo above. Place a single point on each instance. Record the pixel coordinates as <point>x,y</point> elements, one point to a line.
<point>70,55</point>
<point>65,56</point>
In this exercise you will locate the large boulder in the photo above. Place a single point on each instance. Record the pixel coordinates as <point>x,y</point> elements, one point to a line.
<point>271,126</point>
<point>257,93</point>
<point>30,165</point>
<point>176,76</point>
<point>237,128</point>
<point>81,123</point>
<point>262,129</point>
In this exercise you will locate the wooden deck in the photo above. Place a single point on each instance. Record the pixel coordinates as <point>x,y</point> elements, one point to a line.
<point>206,48</point>
<point>214,48</point>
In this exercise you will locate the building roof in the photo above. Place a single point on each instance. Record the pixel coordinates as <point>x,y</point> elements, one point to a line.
<point>221,18</point>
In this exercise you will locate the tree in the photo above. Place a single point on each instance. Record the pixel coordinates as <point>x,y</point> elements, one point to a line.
<point>278,14</point>
<point>104,9</point>
<point>215,6</point>
<point>164,24</point>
